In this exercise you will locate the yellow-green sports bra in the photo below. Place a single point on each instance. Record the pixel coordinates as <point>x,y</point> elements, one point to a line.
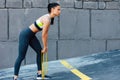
<point>38,24</point>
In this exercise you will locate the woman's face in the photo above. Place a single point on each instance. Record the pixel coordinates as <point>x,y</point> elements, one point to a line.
<point>56,10</point>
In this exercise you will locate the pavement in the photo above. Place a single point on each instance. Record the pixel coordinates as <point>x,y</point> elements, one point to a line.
<point>99,66</point>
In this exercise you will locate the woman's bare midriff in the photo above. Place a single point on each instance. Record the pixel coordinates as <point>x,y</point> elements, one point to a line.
<point>33,28</point>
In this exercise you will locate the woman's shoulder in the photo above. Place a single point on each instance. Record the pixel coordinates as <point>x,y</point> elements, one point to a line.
<point>45,17</point>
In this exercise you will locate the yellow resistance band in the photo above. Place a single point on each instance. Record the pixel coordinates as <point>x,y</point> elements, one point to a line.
<point>44,60</point>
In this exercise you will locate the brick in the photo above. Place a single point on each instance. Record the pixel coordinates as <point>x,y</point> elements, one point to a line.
<point>52,50</point>
<point>102,5</point>
<point>105,24</point>
<point>72,48</point>
<point>16,23</point>
<point>97,46</point>
<point>116,0</point>
<point>4,25</point>
<point>113,44</point>
<point>27,3</point>
<point>106,0</point>
<point>78,4</point>
<point>89,0</point>
<point>39,3</point>
<point>75,48</point>
<point>112,5</point>
<point>64,3</point>
<point>2,3</point>
<point>8,54</point>
<point>74,24</point>
<point>14,3</point>
<point>90,5</point>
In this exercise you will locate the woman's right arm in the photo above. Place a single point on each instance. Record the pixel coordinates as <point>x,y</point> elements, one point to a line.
<point>45,35</point>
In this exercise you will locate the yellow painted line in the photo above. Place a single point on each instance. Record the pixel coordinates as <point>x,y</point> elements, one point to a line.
<point>75,71</point>
<point>80,74</point>
<point>66,64</point>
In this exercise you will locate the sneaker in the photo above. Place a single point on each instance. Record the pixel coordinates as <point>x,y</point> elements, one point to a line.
<point>39,77</point>
<point>16,79</point>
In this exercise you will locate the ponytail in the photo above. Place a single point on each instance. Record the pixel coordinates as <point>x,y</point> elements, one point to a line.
<point>52,21</point>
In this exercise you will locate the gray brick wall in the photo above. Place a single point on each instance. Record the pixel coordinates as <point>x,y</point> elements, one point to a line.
<point>16,23</point>
<point>14,3</point>
<point>74,24</point>
<point>75,48</point>
<point>64,3</point>
<point>4,24</point>
<point>105,24</point>
<point>2,3</point>
<point>37,3</point>
<point>84,27</point>
<point>8,54</point>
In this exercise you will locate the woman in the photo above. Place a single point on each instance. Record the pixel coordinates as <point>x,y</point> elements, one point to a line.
<point>27,37</point>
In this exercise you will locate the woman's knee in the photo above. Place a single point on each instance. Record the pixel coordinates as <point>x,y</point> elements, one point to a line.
<point>21,58</point>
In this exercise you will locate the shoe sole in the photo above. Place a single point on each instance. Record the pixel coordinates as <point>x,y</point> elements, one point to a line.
<point>41,78</point>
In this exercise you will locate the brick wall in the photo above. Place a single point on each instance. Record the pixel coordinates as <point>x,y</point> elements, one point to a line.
<point>84,27</point>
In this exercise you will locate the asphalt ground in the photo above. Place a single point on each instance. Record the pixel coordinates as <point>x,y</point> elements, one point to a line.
<point>99,66</point>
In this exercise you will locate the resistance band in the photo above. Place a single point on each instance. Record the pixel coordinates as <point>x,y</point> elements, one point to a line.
<point>44,60</point>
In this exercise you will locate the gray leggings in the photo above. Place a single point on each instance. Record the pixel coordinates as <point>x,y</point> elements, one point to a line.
<point>26,38</point>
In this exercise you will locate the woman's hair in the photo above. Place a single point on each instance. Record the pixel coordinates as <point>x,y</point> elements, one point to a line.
<point>50,6</point>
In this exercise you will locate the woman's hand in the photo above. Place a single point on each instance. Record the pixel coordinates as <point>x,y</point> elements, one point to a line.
<point>44,50</point>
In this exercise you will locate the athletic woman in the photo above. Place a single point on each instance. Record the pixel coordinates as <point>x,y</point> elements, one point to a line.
<point>27,37</point>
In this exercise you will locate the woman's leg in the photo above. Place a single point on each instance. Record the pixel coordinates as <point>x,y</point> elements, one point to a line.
<point>22,52</point>
<point>23,46</point>
<point>35,44</point>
